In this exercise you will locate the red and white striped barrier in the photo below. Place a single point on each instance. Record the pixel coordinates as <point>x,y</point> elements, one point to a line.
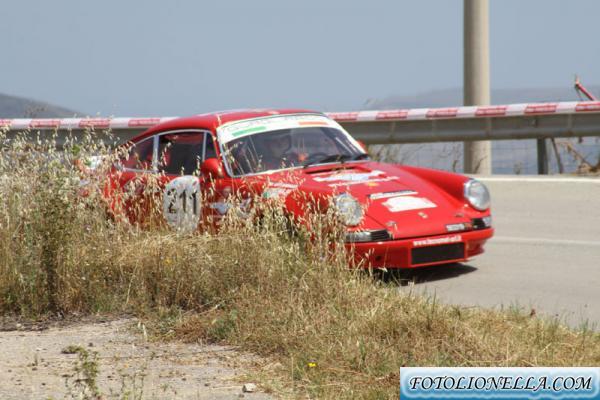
<point>81,123</point>
<point>468,112</point>
<point>352,116</point>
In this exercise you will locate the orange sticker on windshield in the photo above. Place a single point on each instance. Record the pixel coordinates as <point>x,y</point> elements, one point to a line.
<point>313,123</point>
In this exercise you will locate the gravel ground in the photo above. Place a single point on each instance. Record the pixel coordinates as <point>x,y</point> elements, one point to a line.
<point>35,365</point>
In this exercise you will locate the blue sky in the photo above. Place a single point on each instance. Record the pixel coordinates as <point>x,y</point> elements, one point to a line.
<point>150,57</point>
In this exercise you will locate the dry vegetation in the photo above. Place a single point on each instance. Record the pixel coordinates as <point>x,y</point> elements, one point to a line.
<point>336,333</point>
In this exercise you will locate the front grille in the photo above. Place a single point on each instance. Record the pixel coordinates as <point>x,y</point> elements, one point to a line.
<point>431,254</point>
<point>380,236</point>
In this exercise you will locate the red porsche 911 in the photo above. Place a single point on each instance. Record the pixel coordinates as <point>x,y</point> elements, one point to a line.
<point>396,216</point>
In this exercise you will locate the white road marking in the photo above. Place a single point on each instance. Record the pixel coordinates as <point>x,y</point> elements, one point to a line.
<point>542,241</point>
<point>537,179</point>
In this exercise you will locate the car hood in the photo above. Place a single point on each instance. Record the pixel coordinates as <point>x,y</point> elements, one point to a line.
<point>393,198</point>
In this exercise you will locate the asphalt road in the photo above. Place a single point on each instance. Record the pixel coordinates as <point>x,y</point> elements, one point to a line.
<point>545,254</point>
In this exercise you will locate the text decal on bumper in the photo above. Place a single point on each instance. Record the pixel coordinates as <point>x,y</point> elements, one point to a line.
<point>434,241</point>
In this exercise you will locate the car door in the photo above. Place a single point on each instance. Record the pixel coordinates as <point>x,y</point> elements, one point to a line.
<point>162,175</point>
<point>180,154</point>
<point>128,180</point>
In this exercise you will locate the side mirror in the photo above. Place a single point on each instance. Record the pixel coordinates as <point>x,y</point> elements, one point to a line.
<point>211,169</point>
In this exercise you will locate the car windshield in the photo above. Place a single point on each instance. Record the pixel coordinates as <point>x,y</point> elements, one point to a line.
<point>287,148</point>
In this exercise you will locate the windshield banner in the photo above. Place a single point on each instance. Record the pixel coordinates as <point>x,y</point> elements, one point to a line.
<point>235,130</point>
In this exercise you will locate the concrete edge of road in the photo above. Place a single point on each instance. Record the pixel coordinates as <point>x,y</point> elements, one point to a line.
<point>537,178</point>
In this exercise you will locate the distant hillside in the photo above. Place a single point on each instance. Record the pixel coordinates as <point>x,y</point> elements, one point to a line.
<point>18,107</point>
<point>454,97</point>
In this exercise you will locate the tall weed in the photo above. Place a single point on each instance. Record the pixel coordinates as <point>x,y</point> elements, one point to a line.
<point>274,287</point>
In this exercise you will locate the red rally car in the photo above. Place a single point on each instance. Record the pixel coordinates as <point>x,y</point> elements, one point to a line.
<point>396,216</point>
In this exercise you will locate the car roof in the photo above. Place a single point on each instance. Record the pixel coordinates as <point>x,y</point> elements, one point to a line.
<point>213,120</point>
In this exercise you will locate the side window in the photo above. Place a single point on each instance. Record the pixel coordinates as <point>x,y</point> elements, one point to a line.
<point>140,155</point>
<point>180,153</point>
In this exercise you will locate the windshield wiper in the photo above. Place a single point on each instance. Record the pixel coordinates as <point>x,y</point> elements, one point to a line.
<point>330,158</point>
<point>337,158</point>
<point>362,156</point>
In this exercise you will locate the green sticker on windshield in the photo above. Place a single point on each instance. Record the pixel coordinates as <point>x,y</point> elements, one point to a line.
<point>249,130</point>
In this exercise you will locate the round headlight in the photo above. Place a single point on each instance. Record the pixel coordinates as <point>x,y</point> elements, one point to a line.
<point>477,195</point>
<point>348,209</point>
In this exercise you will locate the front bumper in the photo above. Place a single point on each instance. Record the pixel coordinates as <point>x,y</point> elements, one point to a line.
<point>420,252</point>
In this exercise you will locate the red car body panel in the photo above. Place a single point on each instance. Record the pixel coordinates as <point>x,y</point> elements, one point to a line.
<point>412,237</point>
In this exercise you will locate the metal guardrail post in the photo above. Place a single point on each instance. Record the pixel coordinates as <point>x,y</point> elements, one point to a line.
<point>542,156</point>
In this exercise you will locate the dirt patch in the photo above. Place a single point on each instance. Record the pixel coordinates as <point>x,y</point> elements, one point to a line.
<point>40,364</point>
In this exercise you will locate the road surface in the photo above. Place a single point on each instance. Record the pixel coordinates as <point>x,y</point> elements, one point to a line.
<point>545,254</point>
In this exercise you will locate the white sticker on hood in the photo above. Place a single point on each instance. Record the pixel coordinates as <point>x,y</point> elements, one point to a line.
<point>407,203</point>
<point>369,182</point>
<point>386,195</point>
<point>284,185</point>
<point>276,192</point>
<point>350,176</point>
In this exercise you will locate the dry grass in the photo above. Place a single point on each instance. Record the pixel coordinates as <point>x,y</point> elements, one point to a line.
<point>336,333</point>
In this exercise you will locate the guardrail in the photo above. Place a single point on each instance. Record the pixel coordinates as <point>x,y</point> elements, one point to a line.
<point>504,122</point>
<point>539,121</point>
